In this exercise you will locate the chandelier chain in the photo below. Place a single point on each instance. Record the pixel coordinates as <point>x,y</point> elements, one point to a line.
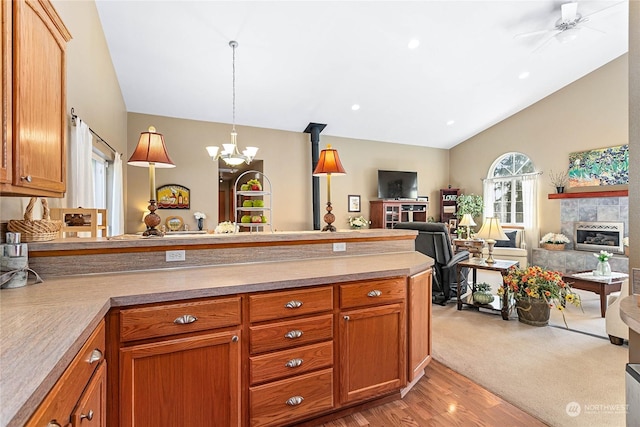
<point>233,67</point>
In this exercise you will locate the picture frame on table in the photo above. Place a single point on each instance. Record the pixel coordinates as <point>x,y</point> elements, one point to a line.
<point>453,224</point>
<point>354,203</point>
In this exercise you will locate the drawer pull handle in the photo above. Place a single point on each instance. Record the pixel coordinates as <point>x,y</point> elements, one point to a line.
<point>346,318</point>
<point>234,338</point>
<point>374,293</point>
<point>96,356</point>
<point>185,319</point>
<point>293,304</point>
<point>293,363</point>
<point>295,400</point>
<point>89,415</point>
<point>26,178</point>
<point>53,424</point>
<point>293,334</point>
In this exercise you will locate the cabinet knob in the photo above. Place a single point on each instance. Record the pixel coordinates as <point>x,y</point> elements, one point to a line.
<point>293,363</point>
<point>346,318</point>
<point>293,334</point>
<point>96,356</point>
<point>374,293</point>
<point>295,400</point>
<point>53,424</point>
<point>89,415</point>
<point>293,304</point>
<point>26,178</point>
<point>234,338</point>
<point>185,319</point>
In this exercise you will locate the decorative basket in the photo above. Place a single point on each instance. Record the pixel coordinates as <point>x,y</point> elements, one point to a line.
<point>38,230</point>
<point>553,246</point>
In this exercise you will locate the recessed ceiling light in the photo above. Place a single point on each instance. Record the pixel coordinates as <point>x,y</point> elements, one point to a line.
<point>414,43</point>
<point>523,75</point>
<point>355,107</point>
<point>450,122</point>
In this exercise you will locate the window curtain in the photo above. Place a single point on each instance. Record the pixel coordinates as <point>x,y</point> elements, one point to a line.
<point>115,198</point>
<point>80,192</point>
<point>530,211</point>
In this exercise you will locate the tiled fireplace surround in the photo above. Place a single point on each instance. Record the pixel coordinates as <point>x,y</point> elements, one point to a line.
<point>610,209</point>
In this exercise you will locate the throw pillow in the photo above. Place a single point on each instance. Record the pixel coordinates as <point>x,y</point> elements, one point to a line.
<point>511,243</point>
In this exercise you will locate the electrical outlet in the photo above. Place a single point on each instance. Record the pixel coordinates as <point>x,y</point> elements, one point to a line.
<point>175,256</point>
<point>339,247</point>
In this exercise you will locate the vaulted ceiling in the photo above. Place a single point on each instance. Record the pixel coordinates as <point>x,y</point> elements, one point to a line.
<point>476,64</point>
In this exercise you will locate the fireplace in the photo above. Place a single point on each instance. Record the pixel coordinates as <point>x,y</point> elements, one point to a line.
<point>599,236</point>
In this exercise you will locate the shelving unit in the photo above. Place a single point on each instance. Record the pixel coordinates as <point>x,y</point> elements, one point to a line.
<point>449,204</point>
<point>240,196</point>
<point>95,221</point>
<point>387,213</point>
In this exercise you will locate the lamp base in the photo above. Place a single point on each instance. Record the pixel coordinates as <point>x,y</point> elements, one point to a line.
<point>152,220</point>
<point>490,243</point>
<point>329,218</point>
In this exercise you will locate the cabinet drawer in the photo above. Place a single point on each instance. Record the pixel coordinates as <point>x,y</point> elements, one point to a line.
<point>372,292</point>
<point>287,400</point>
<point>64,395</point>
<point>170,319</point>
<point>273,366</point>
<point>292,333</point>
<point>278,305</point>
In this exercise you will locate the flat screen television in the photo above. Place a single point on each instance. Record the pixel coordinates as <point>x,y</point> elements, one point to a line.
<point>397,185</point>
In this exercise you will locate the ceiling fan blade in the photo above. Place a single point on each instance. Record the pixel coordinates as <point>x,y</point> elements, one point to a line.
<point>569,11</point>
<point>532,33</point>
<point>592,29</point>
<point>543,44</point>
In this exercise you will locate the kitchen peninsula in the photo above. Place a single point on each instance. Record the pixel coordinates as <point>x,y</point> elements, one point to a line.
<point>251,299</point>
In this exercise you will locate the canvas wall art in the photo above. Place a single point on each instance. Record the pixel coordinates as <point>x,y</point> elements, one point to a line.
<point>604,166</point>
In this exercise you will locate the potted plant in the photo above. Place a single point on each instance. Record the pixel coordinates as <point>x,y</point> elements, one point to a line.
<point>558,180</point>
<point>535,291</point>
<point>470,204</point>
<point>482,293</point>
<point>603,268</point>
<point>554,241</point>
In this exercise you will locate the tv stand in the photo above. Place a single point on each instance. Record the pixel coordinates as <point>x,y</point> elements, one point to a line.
<point>387,213</point>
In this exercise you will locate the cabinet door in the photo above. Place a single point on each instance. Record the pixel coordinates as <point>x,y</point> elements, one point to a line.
<point>372,346</point>
<point>39,118</point>
<point>419,323</point>
<point>5,91</point>
<point>92,407</point>
<point>192,381</point>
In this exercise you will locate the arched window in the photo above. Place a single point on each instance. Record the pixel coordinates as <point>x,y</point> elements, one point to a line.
<point>509,190</point>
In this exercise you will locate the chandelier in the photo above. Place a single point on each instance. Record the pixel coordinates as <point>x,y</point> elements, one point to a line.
<point>230,154</point>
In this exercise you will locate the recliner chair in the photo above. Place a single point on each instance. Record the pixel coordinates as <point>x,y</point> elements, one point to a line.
<point>433,240</point>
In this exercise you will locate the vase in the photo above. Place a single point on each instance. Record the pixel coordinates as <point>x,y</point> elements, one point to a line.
<point>533,311</point>
<point>602,269</point>
<point>560,190</point>
<point>200,223</point>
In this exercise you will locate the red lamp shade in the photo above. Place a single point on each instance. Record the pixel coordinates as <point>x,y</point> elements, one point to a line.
<point>151,149</point>
<point>329,163</point>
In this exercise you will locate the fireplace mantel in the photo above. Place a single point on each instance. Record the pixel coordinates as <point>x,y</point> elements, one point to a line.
<point>590,194</point>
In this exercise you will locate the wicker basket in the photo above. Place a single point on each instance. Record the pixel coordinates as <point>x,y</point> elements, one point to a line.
<point>38,230</point>
<point>553,246</point>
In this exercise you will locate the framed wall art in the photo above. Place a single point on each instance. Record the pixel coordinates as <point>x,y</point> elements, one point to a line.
<point>603,166</point>
<point>173,196</point>
<point>354,203</point>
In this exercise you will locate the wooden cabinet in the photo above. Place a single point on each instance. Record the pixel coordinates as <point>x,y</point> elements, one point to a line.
<point>180,364</point>
<point>80,391</point>
<point>291,355</point>
<point>419,323</point>
<point>6,39</point>
<point>449,204</point>
<point>34,101</point>
<point>387,213</point>
<point>372,339</point>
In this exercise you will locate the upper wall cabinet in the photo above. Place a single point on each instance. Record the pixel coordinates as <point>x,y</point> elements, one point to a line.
<point>33,100</point>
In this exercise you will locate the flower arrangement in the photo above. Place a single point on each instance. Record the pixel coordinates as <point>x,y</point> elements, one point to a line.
<point>199,215</point>
<point>537,283</point>
<point>559,179</point>
<point>358,222</point>
<point>603,256</point>
<point>554,238</point>
<point>226,227</point>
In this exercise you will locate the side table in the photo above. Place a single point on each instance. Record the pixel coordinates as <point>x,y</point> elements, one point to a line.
<point>474,246</point>
<point>476,264</point>
<point>601,285</point>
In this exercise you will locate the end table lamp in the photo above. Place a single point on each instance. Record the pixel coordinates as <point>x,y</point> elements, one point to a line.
<point>329,164</point>
<point>151,152</point>
<point>467,221</point>
<point>490,232</point>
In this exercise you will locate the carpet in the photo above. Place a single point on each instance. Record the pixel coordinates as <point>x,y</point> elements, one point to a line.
<point>565,377</point>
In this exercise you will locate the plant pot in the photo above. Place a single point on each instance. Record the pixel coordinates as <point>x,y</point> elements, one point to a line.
<point>553,246</point>
<point>560,190</point>
<point>480,297</point>
<point>533,311</point>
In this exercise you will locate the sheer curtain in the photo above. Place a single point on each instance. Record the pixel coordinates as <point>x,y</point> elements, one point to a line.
<point>80,192</point>
<point>489,194</point>
<point>115,198</point>
<point>530,211</point>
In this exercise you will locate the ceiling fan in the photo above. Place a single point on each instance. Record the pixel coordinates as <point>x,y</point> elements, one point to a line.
<point>568,26</point>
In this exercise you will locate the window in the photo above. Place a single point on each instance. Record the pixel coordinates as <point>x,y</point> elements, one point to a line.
<point>504,191</point>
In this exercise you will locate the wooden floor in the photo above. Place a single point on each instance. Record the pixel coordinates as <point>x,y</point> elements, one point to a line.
<point>442,398</point>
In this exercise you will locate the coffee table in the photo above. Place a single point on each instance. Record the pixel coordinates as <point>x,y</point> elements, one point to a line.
<point>601,285</point>
<point>476,264</point>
